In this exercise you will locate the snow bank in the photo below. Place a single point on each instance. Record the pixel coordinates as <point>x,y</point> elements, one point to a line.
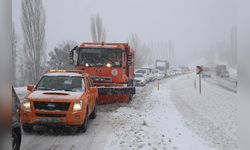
<point>21,90</point>
<point>212,115</point>
<point>152,123</point>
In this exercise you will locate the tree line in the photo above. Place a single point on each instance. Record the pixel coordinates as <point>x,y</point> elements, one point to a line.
<point>30,60</point>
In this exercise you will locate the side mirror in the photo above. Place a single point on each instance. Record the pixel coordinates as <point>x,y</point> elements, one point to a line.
<point>30,87</point>
<point>73,55</point>
<point>130,59</point>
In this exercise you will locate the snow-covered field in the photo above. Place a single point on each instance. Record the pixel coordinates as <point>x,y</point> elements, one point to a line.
<point>175,117</point>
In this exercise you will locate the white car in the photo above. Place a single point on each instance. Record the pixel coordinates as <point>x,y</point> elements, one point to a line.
<point>145,73</point>
<point>150,73</point>
<point>160,75</point>
<point>224,74</point>
<point>155,74</point>
<point>139,79</point>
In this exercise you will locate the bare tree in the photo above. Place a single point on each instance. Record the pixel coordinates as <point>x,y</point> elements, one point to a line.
<point>141,50</point>
<point>59,57</point>
<point>134,41</point>
<point>14,54</point>
<point>98,32</point>
<point>33,25</point>
<point>171,53</point>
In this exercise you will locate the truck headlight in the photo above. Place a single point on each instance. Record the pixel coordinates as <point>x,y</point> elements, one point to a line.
<point>142,80</point>
<point>108,65</point>
<point>26,105</point>
<point>77,106</point>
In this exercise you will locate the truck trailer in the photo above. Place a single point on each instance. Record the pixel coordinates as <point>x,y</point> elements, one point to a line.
<point>162,65</point>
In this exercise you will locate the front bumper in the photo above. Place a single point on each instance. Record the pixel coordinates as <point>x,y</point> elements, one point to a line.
<point>42,117</point>
<point>140,83</point>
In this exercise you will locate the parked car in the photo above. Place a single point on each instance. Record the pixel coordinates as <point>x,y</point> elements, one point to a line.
<point>16,125</point>
<point>224,74</point>
<point>140,79</point>
<point>154,74</point>
<point>145,72</point>
<point>160,75</point>
<point>60,98</point>
<point>170,73</point>
<point>157,74</point>
<point>150,74</point>
<point>206,74</point>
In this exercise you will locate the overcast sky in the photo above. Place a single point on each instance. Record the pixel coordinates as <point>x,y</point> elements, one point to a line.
<point>190,24</point>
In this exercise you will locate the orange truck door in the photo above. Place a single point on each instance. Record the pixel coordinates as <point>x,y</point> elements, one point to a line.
<point>91,96</point>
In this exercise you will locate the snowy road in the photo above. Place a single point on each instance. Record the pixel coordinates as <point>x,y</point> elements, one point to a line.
<point>212,114</point>
<point>175,117</point>
<point>226,83</point>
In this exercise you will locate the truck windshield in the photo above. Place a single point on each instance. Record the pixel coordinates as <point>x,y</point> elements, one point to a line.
<point>100,57</point>
<point>64,83</point>
<point>141,71</point>
<point>139,75</point>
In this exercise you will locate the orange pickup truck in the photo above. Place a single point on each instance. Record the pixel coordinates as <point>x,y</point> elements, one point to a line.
<point>60,97</point>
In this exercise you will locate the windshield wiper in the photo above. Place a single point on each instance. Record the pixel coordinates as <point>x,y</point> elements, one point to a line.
<point>43,88</point>
<point>106,58</point>
<point>67,90</point>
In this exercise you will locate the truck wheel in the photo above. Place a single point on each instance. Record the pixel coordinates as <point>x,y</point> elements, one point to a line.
<point>16,139</point>
<point>131,83</point>
<point>84,126</point>
<point>130,97</point>
<point>27,127</point>
<point>93,114</point>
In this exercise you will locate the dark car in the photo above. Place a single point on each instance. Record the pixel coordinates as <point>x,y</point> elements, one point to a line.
<point>16,125</point>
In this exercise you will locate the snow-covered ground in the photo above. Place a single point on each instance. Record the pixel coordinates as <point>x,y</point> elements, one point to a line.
<point>212,114</point>
<point>229,84</point>
<point>175,117</point>
<point>153,123</point>
<point>21,92</point>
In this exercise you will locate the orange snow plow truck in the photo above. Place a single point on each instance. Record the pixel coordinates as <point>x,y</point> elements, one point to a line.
<point>111,67</point>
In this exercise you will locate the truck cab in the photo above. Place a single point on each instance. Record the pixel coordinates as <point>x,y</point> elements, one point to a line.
<point>111,67</point>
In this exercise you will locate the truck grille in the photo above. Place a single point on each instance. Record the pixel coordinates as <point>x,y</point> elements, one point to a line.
<point>52,105</point>
<point>50,115</point>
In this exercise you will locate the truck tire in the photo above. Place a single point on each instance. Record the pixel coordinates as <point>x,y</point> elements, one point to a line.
<point>27,127</point>
<point>93,114</point>
<point>16,139</point>
<point>131,83</point>
<point>130,97</point>
<point>84,126</point>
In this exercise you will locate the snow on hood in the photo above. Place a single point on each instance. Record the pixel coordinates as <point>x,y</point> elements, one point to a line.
<point>54,94</point>
<point>139,78</point>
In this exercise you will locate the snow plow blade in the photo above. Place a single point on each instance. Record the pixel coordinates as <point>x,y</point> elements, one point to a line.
<point>109,95</point>
<point>116,90</point>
